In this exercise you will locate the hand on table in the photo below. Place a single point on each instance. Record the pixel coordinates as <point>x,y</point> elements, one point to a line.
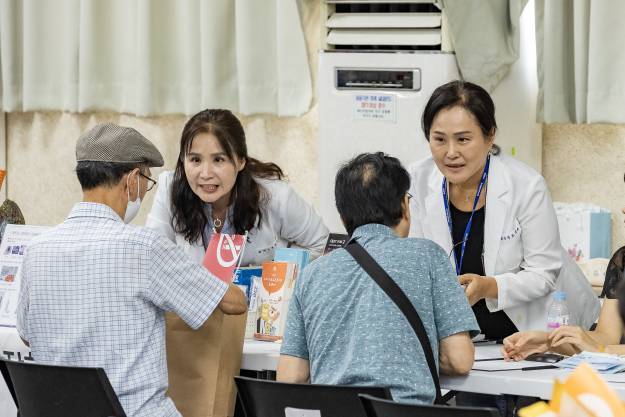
<point>575,336</point>
<point>520,345</point>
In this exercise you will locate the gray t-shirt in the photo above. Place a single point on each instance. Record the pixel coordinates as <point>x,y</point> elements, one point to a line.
<point>353,334</point>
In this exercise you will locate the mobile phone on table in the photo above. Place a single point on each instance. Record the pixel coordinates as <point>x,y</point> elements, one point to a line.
<point>545,357</point>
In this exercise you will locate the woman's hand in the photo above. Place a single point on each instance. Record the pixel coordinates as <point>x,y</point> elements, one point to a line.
<point>477,287</point>
<point>574,336</point>
<point>520,345</point>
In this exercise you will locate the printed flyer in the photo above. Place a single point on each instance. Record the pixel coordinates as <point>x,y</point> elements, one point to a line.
<point>12,249</point>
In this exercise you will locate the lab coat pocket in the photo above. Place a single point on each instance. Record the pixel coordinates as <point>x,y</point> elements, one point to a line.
<point>511,247</point>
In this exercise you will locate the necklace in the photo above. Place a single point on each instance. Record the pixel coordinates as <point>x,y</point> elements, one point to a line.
<point>219,218</point>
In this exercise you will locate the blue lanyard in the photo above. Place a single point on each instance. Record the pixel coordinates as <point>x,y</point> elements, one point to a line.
<point>467,229</point>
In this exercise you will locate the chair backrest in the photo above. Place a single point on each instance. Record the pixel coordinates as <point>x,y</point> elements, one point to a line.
<point>60,391</point>
<point>376,407</point>
<point>262,398</point>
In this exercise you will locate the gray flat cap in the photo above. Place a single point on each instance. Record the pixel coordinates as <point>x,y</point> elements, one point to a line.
<point>109,142</point>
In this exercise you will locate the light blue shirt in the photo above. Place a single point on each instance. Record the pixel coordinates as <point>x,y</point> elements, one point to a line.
<point>353,334</point>
<point>94,291</point>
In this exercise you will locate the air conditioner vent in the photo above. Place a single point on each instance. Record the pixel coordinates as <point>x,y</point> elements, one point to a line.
<point>380,2</point>
<point>414,25</point>
<point>409,38</point>
<point>407,7</point>
<point>384,20</point>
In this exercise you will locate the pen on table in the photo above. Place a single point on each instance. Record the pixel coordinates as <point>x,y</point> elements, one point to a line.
<point>536,368</point>
<point>488,342</point>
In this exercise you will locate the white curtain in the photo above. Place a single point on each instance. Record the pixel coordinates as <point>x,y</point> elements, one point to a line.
<point>485,37</point>
<point>149,57</point>
<point>581,60</point>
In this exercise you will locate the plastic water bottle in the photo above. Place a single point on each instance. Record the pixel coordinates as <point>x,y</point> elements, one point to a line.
<point>558,313</point>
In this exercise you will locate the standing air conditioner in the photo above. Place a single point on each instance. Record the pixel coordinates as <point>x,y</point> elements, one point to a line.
<point>381,64</point>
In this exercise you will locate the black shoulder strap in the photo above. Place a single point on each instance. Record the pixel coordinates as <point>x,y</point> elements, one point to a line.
<point>395,293</point>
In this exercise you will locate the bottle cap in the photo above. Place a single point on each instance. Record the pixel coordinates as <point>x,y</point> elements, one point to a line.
<point>559,296</point>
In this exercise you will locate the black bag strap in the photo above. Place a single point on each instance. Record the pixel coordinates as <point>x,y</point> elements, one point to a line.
<point>396,294</point>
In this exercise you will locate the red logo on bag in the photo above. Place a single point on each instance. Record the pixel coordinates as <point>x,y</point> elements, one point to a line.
<point>223,255</point>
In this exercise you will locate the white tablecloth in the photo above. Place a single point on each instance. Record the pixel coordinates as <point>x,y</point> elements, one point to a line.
<point>259,356</point>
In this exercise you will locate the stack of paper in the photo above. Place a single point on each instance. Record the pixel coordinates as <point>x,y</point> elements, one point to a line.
<point>600,362</point>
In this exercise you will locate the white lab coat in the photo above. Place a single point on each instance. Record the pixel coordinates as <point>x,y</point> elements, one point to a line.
<point>287,219</point>
<point>522,248</point>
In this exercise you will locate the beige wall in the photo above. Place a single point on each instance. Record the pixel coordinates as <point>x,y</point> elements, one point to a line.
<point>586,163</point>
<point>41,159</point>
<point>580,162</point>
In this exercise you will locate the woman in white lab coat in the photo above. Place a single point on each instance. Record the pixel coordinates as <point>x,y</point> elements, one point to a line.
<point>217,187</point>
<point>491,213</point>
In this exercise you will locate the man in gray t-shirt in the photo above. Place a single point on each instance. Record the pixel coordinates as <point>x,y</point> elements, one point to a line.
<point>343,329</point>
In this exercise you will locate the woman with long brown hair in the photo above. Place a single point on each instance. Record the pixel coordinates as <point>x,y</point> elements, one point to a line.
<point>216,186</point>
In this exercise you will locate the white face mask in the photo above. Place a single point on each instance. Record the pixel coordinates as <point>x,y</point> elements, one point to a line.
<point>133,206</point>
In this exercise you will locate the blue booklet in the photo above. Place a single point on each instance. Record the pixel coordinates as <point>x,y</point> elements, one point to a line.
<point>301,257</point>
<point>243,278</point>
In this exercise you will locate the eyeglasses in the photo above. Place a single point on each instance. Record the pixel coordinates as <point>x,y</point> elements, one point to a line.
<point>409,195</point>
<point>151,182</point>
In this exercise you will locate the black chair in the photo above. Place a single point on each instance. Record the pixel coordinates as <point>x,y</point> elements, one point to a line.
<point>376,407</point>
<point>60,391</point>
<point>262,398</point>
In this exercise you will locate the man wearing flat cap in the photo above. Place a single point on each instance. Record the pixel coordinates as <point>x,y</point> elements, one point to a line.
<point>95,289</point>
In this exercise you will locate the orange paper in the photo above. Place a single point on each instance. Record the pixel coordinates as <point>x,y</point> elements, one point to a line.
<point>274,275</point>
<point>583,394</point>
<point>278,280</point>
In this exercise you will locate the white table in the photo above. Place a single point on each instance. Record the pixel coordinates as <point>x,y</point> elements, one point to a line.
<point>532,383</point>
<point>12,348</point>
<point>260,356</point>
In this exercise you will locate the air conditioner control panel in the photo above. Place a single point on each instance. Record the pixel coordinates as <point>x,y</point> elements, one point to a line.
<point>385,79</point>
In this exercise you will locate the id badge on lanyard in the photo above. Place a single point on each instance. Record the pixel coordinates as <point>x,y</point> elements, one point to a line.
<point>467,229</point>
